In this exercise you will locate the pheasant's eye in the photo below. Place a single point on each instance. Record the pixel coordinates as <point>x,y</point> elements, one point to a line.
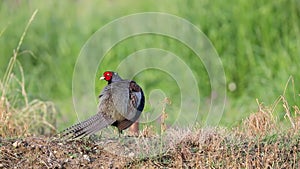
<point>107,75</point>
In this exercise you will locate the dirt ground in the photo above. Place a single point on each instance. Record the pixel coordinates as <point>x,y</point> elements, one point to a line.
<point>42,152</point>
<point>200,149</point>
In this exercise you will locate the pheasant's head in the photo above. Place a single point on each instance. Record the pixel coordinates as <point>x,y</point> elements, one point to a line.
<point>110,77</point>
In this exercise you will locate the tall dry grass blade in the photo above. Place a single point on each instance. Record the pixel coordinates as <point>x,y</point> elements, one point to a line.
<point>164,115</point>
<point>297,117</point>
<point>287,111</point>
<point>22,84</point>
<point>2,31</point>
<point>282,98</point>
<point>6,78</point>
<point>291,78</point>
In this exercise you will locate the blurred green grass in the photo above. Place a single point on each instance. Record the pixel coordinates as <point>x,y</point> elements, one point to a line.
<point>257,41</point>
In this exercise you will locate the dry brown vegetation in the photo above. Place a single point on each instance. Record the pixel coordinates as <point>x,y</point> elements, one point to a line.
<point>18,115</point>
<point>259,142</point>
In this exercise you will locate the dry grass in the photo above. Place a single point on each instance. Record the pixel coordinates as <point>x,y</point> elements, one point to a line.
<point>264,122</point>
<point>254,144</point>
<point>215,148</point>
<point>260,123</point>
<point>18,115</point>
<point>201,148</point>
<point>261,141</point>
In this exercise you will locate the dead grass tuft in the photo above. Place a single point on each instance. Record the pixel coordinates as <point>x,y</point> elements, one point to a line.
<point>297,117</point>
<point>292,115</point>
<point>18,115</point>
<point>261,122</point>
<point>264,122</point>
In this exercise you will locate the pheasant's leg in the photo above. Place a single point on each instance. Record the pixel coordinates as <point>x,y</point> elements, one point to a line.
<point>120,132</point>
<point>134,128</point>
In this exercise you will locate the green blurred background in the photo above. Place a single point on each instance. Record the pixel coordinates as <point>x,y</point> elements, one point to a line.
<point>257,41</point>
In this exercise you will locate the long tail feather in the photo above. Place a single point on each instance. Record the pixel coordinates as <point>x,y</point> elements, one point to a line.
<point>87,127</point>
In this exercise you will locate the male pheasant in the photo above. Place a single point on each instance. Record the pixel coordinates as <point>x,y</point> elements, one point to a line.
<point>120,104</point>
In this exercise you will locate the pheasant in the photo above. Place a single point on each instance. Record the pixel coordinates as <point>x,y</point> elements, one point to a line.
<point>120,104</point>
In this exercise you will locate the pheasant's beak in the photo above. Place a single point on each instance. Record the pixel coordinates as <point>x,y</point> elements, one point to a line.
<point>102,78</point>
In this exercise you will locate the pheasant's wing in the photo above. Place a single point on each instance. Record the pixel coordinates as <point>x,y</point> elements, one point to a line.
<point>128,99</point>
<point>120,97</point>
<point>136,99</point>
<point>87,127</point>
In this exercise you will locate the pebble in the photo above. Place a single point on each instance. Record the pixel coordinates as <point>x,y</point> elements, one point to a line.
<point>86,157</point>
<point>16,144</point>
<point>131,154</point>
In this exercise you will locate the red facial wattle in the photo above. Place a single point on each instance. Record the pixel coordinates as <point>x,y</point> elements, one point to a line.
<point>107,76</point>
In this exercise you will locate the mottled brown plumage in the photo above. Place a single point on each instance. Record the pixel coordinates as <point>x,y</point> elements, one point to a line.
<point>120,104</point>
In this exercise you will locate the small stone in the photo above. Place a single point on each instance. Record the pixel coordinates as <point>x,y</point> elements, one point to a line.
<point>86,157</point>
<point>16,144</point>
<point>131,154</point>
